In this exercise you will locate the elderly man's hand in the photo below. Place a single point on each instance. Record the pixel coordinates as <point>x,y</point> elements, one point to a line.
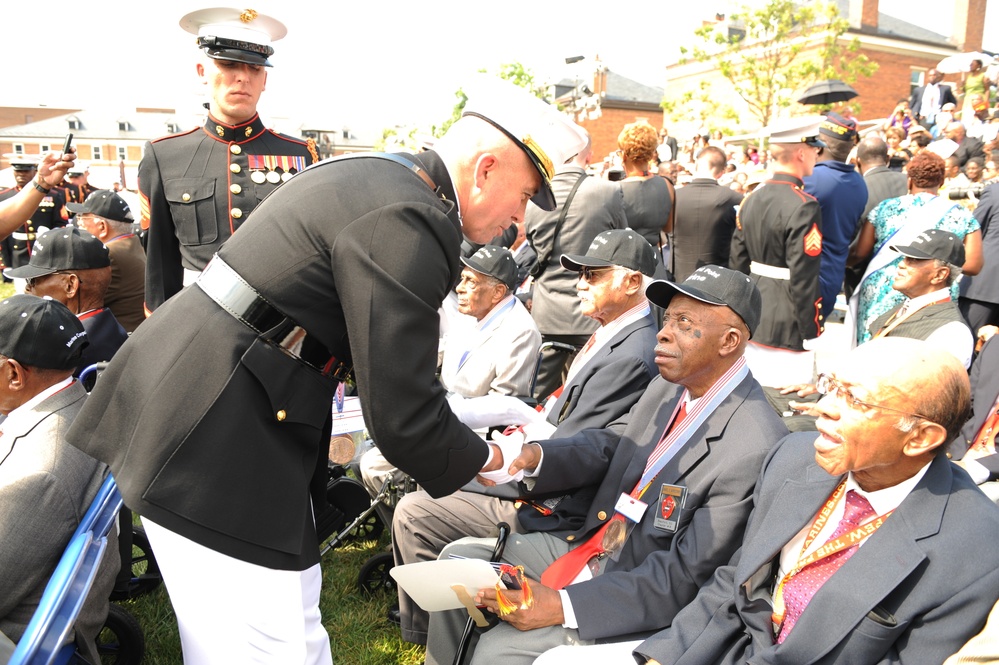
<point>802,389</point>
<point>527,460</point>
<point>53,167</point>
<point>546,610</point>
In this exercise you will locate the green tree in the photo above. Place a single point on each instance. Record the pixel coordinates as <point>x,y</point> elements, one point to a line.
<point>514,72</point>
<point>780,48</point>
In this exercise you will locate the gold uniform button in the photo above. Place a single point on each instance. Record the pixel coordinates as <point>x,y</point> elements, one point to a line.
<point>570,538</point>
<point>601,516</point>
<point>235,188</point>
<point>281,415</point>
<point>235,149</point>
<point>236,213</point>
<point>950,455</point>
<point>235,168</point>
<point>185,197</point>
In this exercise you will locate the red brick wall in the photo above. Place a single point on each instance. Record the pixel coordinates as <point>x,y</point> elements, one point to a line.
<point>880,92</point>
<point>604,130</point>
<point>969,24</point>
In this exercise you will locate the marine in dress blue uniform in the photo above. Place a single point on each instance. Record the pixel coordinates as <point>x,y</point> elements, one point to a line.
<point>197,188</point>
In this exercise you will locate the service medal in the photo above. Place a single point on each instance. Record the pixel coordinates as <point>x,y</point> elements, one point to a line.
<point>258,177</point>
<point>273,177</point>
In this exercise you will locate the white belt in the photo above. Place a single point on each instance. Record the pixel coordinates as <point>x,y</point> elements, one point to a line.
<point>22,236</point>
<point>773,272</point>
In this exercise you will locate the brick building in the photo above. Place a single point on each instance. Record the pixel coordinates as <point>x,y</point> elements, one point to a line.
<point>903,51</point>
<point>608,102</point>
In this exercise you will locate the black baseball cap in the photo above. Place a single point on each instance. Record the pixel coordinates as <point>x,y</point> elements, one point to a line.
<point>65,248</point>
<point>104,203</point>
<point>40,332</point>
<point>496,262</point>
<point>714,285</point>
<point>838,127</point>
<point>934,244</point>
<point>618,247</point>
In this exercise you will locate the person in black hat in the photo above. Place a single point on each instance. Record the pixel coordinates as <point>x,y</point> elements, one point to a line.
<point>77,185</point>
<point>15,249</point>
<point>675,476</point>
<point>778,241</point>
<point>842,195</point>
<point>215,414</point>
<point>198,187</point>
<point>604,381</point>
<point>106,215</point>
<point>72,266</point>
<point>45,484</point>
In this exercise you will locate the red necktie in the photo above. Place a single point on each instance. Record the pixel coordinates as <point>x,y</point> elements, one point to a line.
<point>564,569</point>
<point>986,439</point>
<point>806,582</point>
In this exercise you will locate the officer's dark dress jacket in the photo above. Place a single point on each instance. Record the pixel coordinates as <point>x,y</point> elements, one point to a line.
<point>779,225</point>
<point>197,188</point>
<point>218,435</point>
<point>15,249</point>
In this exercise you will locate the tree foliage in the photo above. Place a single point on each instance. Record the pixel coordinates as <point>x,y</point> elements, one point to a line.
<point>779,49</point>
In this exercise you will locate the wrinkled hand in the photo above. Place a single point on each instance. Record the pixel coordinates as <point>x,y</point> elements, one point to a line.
<point>804,408</point>
<point>53,167</point>
<point>802,389</point>
<point>527,460</point>
<point>545,611</point>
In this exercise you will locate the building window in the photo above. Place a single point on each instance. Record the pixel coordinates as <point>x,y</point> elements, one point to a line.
<point>74,123</point>
<point>123,125</point>
<point>19,148</point>
<point>121,153</point>
<point>44,148</point>
<point>915,79</point>
<point>96,153</point>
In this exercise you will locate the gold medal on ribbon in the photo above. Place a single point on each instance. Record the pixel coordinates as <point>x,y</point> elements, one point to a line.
<point>273,177</point>
<point>286,176</point>
<point>258,177</point>
<point>614,535</point>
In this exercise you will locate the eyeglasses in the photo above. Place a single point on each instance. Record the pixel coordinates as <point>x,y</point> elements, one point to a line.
<point>31,282</point>
<point>594,275</point>
<point>828,385</point>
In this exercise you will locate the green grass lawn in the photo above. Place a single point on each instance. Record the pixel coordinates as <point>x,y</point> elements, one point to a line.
<point>355,619</point>
<point>6,289</point>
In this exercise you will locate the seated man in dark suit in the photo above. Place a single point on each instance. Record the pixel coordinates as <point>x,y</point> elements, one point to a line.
<point>74,267</point>
<point>696,439</point>
<point>849,556</point>
<point>605,380</point>
<point>46,485</point>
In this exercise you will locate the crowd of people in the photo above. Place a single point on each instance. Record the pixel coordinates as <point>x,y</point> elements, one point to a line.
<point>616,357</point>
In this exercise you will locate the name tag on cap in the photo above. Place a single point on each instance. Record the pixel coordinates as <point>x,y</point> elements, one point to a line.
<point>671,499</point>
<point>631,507</point>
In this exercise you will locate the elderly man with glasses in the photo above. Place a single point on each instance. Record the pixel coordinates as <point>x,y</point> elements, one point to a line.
<point>851,553</point>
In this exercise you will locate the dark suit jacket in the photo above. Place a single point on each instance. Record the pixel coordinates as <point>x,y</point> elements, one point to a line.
<point>361,253</point>
<point>899,599</point>
<point>985,285</point>
<point>702,231</point>
<point>882,184</point>
<point>597,206</point>
<point>968,148</point>
<point>916,101</point>
<point>600,393</point>
<point>658,572</point>
<point>46,486</point>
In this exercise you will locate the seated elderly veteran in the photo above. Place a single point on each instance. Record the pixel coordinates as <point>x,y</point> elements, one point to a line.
<point>605,380</point>
<point>493,353</point>
<point>975,447</point>
<point>46,485</point>
<point>691,449</point>
<point>849,556</point>
<point>74,267</point>
<point>929,266</point>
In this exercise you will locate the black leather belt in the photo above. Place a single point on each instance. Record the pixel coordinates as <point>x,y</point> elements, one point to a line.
<point>233,294</point>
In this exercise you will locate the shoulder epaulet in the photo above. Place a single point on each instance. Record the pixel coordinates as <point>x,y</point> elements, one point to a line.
<point>174,136</point>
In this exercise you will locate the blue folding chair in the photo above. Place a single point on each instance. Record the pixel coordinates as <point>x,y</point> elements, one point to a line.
<point>46,640</point>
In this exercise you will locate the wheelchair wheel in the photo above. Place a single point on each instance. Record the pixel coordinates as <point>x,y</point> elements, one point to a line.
<point>369,529</point>
<point>374,576</point>
<point>145,573</point>
<point>121,641</point>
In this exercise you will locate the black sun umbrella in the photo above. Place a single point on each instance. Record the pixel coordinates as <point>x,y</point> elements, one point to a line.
<point>828,92</point>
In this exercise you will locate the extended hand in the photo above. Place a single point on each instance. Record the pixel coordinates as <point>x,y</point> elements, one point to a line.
<point>546,610</point>
<point>53,167</point>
